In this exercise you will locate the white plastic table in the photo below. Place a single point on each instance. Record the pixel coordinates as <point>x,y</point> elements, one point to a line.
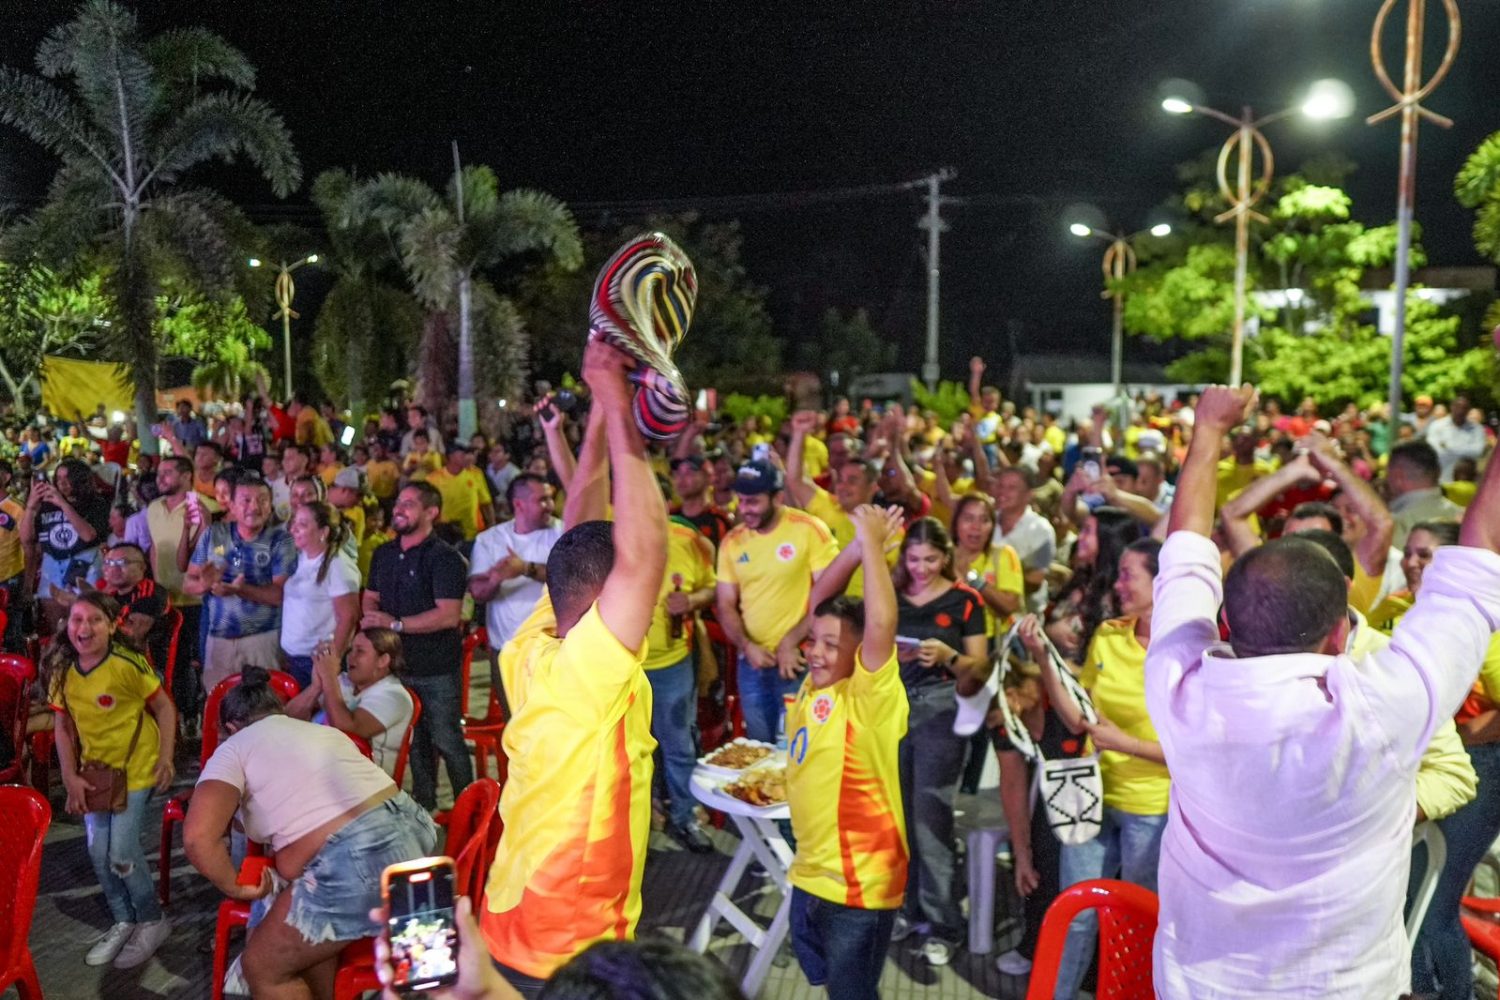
<point>759,840</point>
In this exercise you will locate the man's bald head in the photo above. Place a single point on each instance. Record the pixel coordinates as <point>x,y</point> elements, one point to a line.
<point>1286,596</point>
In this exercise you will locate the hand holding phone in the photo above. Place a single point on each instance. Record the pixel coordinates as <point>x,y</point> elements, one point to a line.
<point>421,929</point>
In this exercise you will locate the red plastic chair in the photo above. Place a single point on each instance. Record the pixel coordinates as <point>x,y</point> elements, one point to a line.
<point>173,618</point>
<point>1127,926</point>
<point>16,676</point>
<point>404,754</point>
<point>175,811</point>
<point>1480,917</point>
<point>472,832</point>
<point>27,816</point>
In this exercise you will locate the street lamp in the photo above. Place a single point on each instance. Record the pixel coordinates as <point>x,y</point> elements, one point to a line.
<point>1327,99</point>
<point>285,289</point>
<point>1408,105</point>
<point>1119,260</point>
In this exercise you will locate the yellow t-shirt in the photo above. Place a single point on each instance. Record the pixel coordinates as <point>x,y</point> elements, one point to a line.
<point>577,804</point>
<point>103,705</point>
<point>927,484</point>
<point>774,571</point>
<point>690,567</point>
<point>462,496</point>
<point>383,478</point>
<point>814,457</point>
<point>844,788</point>
<point>1461,493</point>
<point>12,552</point>
<point>312,428</point>
<point>1001,569</point>
<point>1114,671</point>
<point>417,466</point>
<point>355,518</point>
<point>73,447</point>
<point>1234,477</point>
<point>1364,590</point>
<point>328,472</point>
<point>1056,438</point>
<point>826,509</point>
<point>367,549</point>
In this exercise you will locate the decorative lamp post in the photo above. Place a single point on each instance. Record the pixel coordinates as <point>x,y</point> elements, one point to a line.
<point>285,290</point>
<point>1119,260</point>
<point>1409,98</point>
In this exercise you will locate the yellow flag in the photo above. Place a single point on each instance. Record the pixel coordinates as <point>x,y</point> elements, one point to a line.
<point>72,389</point>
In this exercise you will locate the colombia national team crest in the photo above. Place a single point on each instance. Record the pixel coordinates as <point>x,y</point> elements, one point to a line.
<point>105,701</point>
<point>822,708</point>
<point>786,551</point>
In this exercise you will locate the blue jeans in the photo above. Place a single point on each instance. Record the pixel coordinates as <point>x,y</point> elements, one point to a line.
<point>931,763</point>
<point>1440,959</point>
<point>761,694</point>
<point>840,947</point>
<point>673,691</point>
<point>300,667</point>
<point>440,731</point>
<point>114,841</point>
<point>1127,848</point>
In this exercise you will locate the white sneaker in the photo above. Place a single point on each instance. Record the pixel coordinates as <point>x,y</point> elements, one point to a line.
<point>108,946</point>
<point>143,943</point>
<point>1013,963</point>
<point>937,951</point>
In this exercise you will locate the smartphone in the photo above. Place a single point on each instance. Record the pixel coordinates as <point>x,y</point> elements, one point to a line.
<point>547,410</point>
<point>421,928</point>
<point>1091,462</point>
<point>905,642</point>
<point>760,453</point>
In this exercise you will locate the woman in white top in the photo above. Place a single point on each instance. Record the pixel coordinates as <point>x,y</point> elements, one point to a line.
<point>320,602</point>
<point>369,699</point>
<point>333,819</point>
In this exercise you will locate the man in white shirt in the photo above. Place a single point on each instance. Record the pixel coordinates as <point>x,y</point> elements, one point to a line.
<point>1285,859</point>
<point>1024,530</point>
<point>508,567</point>
<point>1455,436</point>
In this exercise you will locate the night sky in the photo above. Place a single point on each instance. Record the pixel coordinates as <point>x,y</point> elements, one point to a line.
<point>1037,104</point>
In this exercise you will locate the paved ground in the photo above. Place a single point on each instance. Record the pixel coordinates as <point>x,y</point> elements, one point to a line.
<point>70,913</point>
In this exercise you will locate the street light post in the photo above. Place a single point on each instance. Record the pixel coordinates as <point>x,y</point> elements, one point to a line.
<point>1327,100</point>
<point>1408,105</point>
<point>285,290</point>
<point>1119,260</point>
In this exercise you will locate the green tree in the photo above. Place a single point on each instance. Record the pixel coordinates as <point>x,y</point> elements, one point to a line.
<point>219,334</point>
<point>445,244</point>
<point>139,117</point>
<point>1478,187</point>
<point>41,314</point>
<point>848,345</point>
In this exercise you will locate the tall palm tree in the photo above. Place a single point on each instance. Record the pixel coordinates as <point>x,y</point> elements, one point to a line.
<point>138,118</point>
<point>446,243</point>
<point>367,327</point>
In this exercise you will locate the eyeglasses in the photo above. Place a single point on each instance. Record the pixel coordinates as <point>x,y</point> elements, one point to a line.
<point>119,563</point>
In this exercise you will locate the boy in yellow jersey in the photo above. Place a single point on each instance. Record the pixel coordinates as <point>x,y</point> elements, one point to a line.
<point>687,587</point>
<point>577,804</point>
<point>843,787</point>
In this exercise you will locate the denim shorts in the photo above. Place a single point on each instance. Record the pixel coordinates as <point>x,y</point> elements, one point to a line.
<point>333,897</point>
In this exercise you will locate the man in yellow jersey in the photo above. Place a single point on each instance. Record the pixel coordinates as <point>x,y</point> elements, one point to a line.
<point>12,557</point>
<point>466,495</point>
<point>767,566</point>
<point>844,730</point>
<point>687,588</point>
<point>577,805</point>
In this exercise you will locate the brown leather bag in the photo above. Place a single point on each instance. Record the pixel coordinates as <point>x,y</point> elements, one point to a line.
<point>107,787</point>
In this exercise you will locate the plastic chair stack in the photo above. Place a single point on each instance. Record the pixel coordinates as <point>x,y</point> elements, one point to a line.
<point>16,676</point>
<point>26,818</point>
<point>483,732</point>
<point>1127,927</point>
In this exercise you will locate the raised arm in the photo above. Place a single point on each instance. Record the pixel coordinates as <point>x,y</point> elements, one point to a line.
<point>1235,514</point>
<point>1374,549</point>
<point>589,494</point>
<point>872,526</point>
<point>1220,409</point>
<point>799,486</point>
<point>558,451</point>
<point>1481,526</point>
<point>628,600</point>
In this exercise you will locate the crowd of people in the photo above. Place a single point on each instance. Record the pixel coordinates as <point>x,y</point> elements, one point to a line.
<point>889,596</point>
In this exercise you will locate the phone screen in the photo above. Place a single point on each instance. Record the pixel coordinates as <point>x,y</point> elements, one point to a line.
<point>421,926</point>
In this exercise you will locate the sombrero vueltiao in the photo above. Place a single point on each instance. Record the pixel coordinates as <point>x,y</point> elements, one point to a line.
<point>642,304</point>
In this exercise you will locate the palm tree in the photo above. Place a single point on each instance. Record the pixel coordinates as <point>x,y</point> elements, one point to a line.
<point>446,243</point>
<point>367,327</point>
<point>139,117</point>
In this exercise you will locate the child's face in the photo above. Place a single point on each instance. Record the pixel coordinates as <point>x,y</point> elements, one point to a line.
<point>830,650</point>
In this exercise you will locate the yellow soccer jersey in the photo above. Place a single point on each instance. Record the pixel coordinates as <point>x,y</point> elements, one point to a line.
<point>927,484</point>
<point>814,456</point>
<point>690,567</point>
<point>1114,671</point>
<point>844,788</point>
<point>12,552</point>
<point>103,704</point>
<point>1001,569</point>
<point>774,571</point>
<point>826,509</point>
<point>577,804</point>
<point>463,495</point>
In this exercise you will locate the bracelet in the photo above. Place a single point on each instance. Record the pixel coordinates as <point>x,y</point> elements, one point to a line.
<point>952,662</point>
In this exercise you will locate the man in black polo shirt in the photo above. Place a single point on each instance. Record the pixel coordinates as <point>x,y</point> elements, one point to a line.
<point>416,587</point>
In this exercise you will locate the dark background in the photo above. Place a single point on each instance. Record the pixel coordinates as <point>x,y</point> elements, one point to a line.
<point>1038,104</point>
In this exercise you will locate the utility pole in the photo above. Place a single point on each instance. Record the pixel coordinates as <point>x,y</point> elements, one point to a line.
<point>933,223</point>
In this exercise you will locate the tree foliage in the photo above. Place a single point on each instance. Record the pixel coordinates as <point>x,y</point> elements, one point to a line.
<point>41,313</point>
<point>847,345</point>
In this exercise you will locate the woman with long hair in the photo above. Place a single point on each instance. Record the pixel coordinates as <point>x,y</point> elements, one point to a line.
<point>320,602</point>
<point>111,710</point>
<point>367,700</point>
<point>992,571</point>
<point>332,820</point>
<point>941,645</point>
<point>1088,597</point>
<point>1131,764</point>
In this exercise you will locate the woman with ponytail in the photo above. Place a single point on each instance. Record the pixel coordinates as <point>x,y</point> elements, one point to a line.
<point>320,602</point>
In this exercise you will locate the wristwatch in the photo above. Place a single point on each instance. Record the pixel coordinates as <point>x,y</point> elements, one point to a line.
<point>396,626</point>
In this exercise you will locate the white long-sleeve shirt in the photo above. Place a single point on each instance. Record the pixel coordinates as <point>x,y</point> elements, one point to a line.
<point>1285,858</point>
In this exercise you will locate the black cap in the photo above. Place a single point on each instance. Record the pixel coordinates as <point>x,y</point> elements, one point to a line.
<point>758,477</point>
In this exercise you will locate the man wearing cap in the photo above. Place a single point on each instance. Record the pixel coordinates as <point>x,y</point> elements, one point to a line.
<point>466,495</point>
<point>345,493</point>
<point>690,478</point>
<point>766,570</point>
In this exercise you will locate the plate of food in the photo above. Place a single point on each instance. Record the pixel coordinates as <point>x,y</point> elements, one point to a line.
<point>732,759</point>
<point>759,787</point>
